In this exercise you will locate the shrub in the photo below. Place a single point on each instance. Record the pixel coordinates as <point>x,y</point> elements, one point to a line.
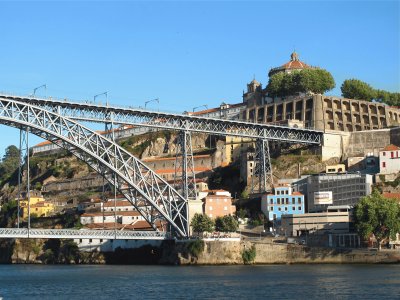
<point>195,247</point>
<point>248,255</point>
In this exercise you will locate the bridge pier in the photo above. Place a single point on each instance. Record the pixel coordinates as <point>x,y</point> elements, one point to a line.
<point>262,176</point>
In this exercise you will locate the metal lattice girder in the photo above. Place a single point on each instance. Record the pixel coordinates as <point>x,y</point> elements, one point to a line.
<point>151,195</point>
<point>262,176</point>
<point>23,162</point>
<point>82,234</point>
<point>136,116</point>
<point>184,164</point>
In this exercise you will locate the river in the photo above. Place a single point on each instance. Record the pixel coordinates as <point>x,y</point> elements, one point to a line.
<point>200,282</point>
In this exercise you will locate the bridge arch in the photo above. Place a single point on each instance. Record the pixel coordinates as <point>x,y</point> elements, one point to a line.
<point>150,194</point>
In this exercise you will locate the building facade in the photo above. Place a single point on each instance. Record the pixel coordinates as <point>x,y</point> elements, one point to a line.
<point>323,190</point>
<point>316,223</point>
<point>389,160</point>
<point>283,201</point>
<point>218,203</point>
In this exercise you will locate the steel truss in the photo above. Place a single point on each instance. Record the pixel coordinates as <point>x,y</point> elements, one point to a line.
<point>262,176</point>
<point>82,234</point>
<point>151,195</point>
<point>184,165</point>
<point>23,163</point>
<point>135,116</point>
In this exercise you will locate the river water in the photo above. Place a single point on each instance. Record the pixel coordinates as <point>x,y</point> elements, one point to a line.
<point>200,282</point>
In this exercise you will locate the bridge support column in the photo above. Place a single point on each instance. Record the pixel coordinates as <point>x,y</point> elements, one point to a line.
<point>184,164</point>
<point>109,132</point>
<point>262,176</point>
<point>23,163</point>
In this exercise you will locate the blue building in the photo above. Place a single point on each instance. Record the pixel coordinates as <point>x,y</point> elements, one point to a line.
<point>282,201</point>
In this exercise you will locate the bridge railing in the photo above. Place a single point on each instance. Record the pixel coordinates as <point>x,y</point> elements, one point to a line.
<point>82,234</point>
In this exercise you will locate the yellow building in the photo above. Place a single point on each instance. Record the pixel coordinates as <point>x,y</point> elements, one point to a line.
<point>235,146</point>
<point>38,206</point>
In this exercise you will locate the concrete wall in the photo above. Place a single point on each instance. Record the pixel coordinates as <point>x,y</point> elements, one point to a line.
<point>224,252</point>
<point>358,143</point>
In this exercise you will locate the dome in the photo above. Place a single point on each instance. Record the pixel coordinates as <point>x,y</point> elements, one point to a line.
<point>294,64</point>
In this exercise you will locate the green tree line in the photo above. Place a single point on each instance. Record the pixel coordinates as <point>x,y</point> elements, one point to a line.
<point>357,89</point>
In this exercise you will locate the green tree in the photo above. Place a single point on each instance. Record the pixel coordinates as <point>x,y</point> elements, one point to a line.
<point>226,224</point>
<point>202,223</point>
<point>69,252</point>
<point>357,89</point>
<point>377,215</point>
<point>316,81</point>
<point>9,163</point>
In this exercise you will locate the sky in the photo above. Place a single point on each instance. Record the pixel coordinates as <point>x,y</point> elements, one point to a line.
<point>188,53</point>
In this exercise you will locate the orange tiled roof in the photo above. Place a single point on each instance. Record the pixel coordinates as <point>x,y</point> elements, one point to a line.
<point>42,144</point>
<point>110,203</point>
<point>172,158</point>
<point>391,147</point>
<point>170,171</point>
<point>297,194</point>
<point>392,195</point>
<point>206,111</point>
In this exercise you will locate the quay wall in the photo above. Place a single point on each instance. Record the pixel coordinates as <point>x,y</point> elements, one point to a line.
<point>230,252</point>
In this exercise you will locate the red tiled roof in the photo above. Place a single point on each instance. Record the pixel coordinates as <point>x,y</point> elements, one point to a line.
<point>296,64</point>
<point>118,203</point>
<point>202,112</point>
<point>392,195</point>
<point>391,147</point>
<point>171,171</point>
<point>172,158</point>
<point>43,144</point>
<point>297,194</point>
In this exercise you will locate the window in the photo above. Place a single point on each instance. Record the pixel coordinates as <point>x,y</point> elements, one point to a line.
<point>271,208</point>
<point>210,215</point>
<point>285,208</point>
<point>299,200</point>
<point>299,207</point>
<point>383,164</point>
<point>279,208</point>
<point>293,200</point>
<point>225,208</point>
<point>293,207</point>
<point>383,153</point>
<point>391,154</point>
<point>278,200</point>
<point>210,208</point>
<point>271,201</point>
<point>101,240</point>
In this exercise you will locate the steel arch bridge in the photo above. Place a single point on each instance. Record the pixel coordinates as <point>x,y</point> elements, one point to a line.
<point>151,195</point>
<point>260,132</point>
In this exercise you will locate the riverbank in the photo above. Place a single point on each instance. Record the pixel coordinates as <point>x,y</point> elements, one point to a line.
<point>196,252</point>
<point>225,253</point>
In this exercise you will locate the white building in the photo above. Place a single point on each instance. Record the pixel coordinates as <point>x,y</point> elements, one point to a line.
<point>120,217</point>
<point>389,160</point>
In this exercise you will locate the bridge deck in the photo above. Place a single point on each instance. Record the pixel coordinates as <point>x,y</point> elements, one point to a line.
<point>93,112</point>
<point>81,234</point>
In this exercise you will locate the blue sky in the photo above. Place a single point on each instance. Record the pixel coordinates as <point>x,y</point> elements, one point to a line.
<point>188,53</point>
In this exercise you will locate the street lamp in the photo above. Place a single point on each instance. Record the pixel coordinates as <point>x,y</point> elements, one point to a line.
<point>156,99</point>
<point>194,108</point>
<point>42,86</point>
<point>95,96</point>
